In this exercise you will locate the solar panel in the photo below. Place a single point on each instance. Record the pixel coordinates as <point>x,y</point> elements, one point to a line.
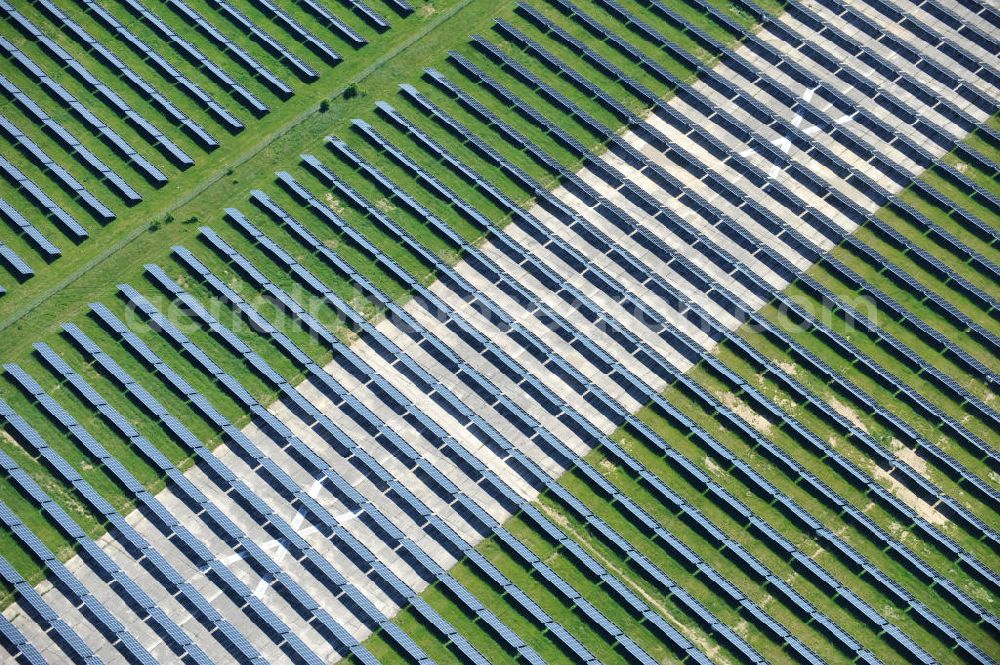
<point>63,521</point>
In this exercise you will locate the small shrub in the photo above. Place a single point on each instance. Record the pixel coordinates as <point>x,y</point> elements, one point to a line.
<point>324,106</point>
<point>351,91</point>
<point>193,219</point>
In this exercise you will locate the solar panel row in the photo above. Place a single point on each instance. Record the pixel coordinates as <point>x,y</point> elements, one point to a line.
<point>64,60</point>
<point>161,64</point>
<point>847,106</point>
<point>17,266</point>
<point>532,386</point>
<point>369,15</point>
<point>339,28</point>
<point>914,474</point>
<point>265,619</point>
<point>269,43</point>
<point>380,522</point>
<point>70,142</point>
<point>134,80</point>
<point>235,52</point>
<point>97,126</point>
<point>15,642</point>
<point>512,498</point>
<point>541,20</point>
<point>299,33</point>
<point>61,176</point>
<point>192,54</point>
<point>96,502</point>
<point>68,640</point>
<point>66,222</point>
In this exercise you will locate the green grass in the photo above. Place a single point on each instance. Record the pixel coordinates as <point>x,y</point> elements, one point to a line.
<point>549,602</point>
<point>947,290</point>
<point>842,403</point>
<point>843,447</point>
<point>958,195</point>
<point>948,365</point>
<point>519,623</point>
<point>386,652</point>
<point>730,571</point>
<point>631,577</point>
<point>868,346</point>
<point>72,300</point>
<point>718,560</point>
<point>562,568</point>
<point>655,597</point>
<point>588,587</point>
<point>975,174</point>
<point>511,84</point>
<point>832,564</point>
<point>57,294</point>
<point>941,216</point>
<point>243,291</point>
<point>977,141</point>
<point>889,362</point>
<point>787,528</point>
<point>916,306</point>
<point>931,246</point>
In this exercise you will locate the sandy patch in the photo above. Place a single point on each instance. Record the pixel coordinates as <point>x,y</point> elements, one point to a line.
<point>904,454</point>
<point>712,467</point>
<point>785,403</point>
<point>742,628</point>
<point>334,203</point>
<point>910,456</point>
<point>903,493</point>
<point>759,422</point>
<point>848,413</point>
<point>788,367</point>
